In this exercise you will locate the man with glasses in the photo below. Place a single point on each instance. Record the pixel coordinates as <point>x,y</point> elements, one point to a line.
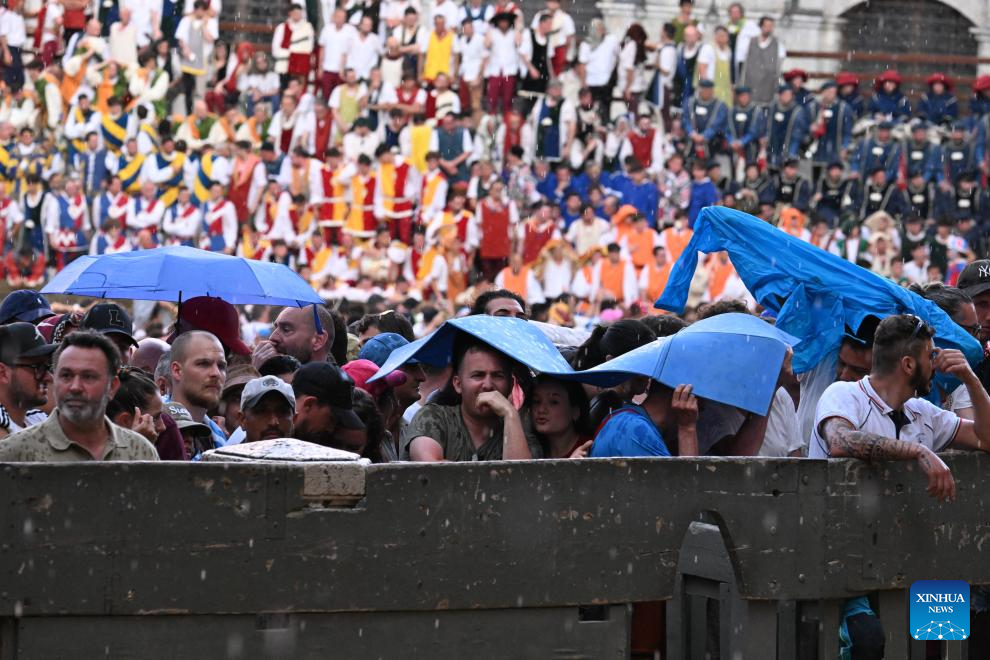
<point>25,374</point>
<point>881,417</point>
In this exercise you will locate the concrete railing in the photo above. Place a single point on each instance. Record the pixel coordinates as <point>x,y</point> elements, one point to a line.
<point>530,559</point>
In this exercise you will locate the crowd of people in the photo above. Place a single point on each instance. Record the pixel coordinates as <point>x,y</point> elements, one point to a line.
<point>84,384</point>
<point>431,152</point>
<point>416,162</point>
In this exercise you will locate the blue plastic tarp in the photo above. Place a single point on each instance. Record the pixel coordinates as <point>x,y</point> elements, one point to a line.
<point>814,294</point>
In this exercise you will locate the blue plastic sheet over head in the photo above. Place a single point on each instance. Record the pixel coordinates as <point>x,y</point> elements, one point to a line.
<point>814,294</point>
<point>520,340</point>
<point>734,359</point>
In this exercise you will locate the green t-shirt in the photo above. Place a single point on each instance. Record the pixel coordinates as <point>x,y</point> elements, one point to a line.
<point>445,425</point>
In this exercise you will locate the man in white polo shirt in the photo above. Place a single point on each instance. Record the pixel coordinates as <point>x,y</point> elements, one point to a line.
<point>879,417</point>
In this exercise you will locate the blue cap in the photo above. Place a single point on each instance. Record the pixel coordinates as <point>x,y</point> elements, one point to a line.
<point>378,348</point>
<point>743,89</point>
<point>704,82</point>
<point>828,84</point>
<point>886,125</point>
<point>784,88</point>
<point>24,305</point>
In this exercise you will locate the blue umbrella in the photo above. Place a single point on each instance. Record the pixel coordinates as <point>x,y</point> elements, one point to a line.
<point>179,273</point>
<point>730,358</point>
<point>520,340</point>
<point>813,293</point>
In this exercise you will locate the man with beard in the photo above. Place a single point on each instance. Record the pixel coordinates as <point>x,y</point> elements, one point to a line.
<point>25,374</point>
<point>881,416</point>
<point>975,283</point>
<point>86,366</point>
<point>267,407</point>
<point>199,370</point>
<point>301,332</point>
<point>472,418</point>
<point>324,403</point>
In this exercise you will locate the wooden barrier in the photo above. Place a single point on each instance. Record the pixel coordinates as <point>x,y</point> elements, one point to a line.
<point>483,560</point>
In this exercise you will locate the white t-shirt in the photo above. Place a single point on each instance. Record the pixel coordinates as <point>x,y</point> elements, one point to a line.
<point>706,56</point>
<point>958,400</point>
<point>782,436</point>
<point>861,406</point>
<point>503,58</point>
<point>472,52</point>
<point>364,54</point>
<point>627,62</point>
<point>336,44</point>
<point>599,62</point>
<point>31,417</point>
<point>449,10</point>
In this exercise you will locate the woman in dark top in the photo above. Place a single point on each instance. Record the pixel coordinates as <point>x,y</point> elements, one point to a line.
<point>607,342</point>
<point>558,411</point>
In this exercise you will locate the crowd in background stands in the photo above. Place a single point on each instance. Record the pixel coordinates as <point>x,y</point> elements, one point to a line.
<point>425,153</point>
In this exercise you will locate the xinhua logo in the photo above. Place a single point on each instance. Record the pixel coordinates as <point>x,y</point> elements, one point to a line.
<point>940,609</point>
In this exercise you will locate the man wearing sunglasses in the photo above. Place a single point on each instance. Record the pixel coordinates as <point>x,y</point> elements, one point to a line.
<point>25,374</point>
<point>881,417</point>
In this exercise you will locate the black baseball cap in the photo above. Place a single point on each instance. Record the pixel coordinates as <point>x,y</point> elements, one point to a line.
<point>24,305</point>
<point>22,340</point>
<point>975,278</point>
<point>110,319</point>
<point>330,385</point>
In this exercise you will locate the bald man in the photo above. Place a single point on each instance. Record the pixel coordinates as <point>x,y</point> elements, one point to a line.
<point>148,352</point>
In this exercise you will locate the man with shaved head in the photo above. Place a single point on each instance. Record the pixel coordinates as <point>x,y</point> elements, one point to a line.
<point>199,370</point>
<point>149,350</point>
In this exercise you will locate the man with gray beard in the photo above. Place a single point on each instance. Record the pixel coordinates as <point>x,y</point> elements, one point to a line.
<point>85,379</point>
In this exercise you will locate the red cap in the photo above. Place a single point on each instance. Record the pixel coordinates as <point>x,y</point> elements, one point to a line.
<point>938,76</point>
<point>844,78</point>
<point>796,73</point>
<point>215,316</point>
<point>981,84</point>
<point>361,370</point>
<point>890,75</point>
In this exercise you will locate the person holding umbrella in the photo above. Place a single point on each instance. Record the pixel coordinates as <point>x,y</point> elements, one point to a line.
<point>472,418</point>
<point>667,414</point>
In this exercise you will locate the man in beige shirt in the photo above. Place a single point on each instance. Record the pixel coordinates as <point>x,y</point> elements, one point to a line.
<point>86,366</point>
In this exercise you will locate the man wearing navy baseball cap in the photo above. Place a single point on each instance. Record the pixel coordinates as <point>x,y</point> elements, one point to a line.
<point>112,320</point>
<point>324,400</point>
<point>24,305</point>
<point>25,374</point>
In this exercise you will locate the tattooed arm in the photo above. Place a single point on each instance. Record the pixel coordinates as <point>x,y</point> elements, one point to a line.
<point>845,441</point>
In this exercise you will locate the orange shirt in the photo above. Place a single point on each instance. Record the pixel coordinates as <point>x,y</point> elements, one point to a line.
<point>640,246</point>
<point>515,282</point>
<point>657,280</point>
<point>718,275</point>
<point>613,277</point>
<point>676,241</point>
